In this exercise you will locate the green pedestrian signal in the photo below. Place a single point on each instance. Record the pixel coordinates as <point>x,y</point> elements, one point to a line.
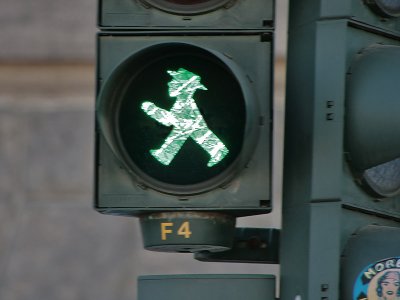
<point>186,119</point>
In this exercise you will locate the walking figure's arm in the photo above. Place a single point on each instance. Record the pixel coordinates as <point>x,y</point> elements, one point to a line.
<point>160,115</point>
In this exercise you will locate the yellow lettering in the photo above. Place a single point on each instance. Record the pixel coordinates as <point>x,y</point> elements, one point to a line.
<point>165,231</point>
<point>185,230</point>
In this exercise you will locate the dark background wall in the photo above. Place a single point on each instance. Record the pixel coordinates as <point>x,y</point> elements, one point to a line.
<point>47,30</point>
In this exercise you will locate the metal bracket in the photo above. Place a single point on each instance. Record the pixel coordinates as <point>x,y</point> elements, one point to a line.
<point>251,245</point>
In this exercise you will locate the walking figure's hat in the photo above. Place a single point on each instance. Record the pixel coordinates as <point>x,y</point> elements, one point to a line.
<point>184,81</point>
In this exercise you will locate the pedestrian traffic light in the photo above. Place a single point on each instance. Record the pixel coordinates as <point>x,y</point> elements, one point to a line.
<point>155,118</point>
<point>341,170</point>
<point>184,110</point>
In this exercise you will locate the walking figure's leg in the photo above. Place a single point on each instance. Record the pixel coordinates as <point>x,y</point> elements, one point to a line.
<point>210,143</point>
<point>172,144</point>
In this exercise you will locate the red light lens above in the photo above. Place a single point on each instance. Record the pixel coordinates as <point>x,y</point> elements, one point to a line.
<point>187,7</point>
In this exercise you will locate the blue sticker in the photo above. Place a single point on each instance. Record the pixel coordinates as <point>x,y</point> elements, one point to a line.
<point>379,281</point>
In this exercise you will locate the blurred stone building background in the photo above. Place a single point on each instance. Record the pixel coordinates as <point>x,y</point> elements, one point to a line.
<point>53,245</point>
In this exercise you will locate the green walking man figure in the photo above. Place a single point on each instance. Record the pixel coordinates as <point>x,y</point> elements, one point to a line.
<point>186,119</point>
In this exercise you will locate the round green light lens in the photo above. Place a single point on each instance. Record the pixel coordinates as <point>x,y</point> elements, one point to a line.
<point>182,118</point>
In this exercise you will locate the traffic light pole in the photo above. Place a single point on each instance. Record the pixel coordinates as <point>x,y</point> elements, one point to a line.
<point>310,256</point>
